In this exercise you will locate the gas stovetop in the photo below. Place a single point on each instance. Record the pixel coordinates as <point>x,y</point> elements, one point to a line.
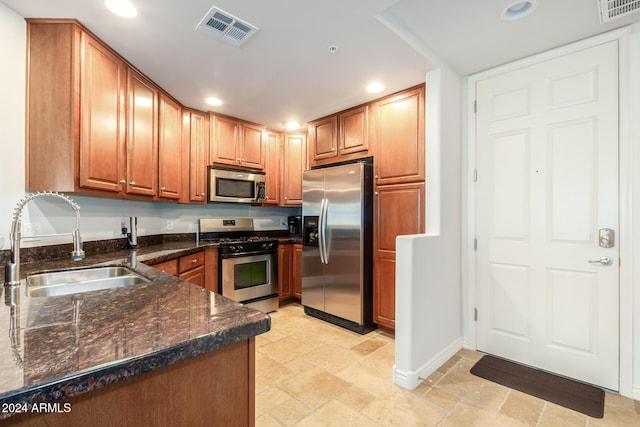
<point>235,235</point>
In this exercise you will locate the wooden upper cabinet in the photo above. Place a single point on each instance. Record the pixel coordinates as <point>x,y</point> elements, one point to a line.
<point>399,137</point>
<point>272,167</point>
<point>195,149</point>
<point>142,136</point>
<point>340,137</point>
<point>224,140</point>
<point>354,131</point>
<point>293,165</point>
<point>323,138</point>
<point>237,143</point>
<point>169,148</point>
<point>253,148</point>
<point>102,110</point>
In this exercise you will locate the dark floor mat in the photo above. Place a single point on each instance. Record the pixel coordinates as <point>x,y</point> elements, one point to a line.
<point>562,391</point>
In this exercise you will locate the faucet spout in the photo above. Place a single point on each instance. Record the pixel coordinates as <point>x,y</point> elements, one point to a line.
<point>12,267</point>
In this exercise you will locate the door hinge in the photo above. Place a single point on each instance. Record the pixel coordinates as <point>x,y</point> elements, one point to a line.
<point>475,175</point>
<point>475,314</point>
<point>475,244</point>
<point>475,105</point>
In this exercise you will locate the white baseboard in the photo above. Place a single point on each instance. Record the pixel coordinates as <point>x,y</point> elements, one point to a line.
<point>411,379</point>
<point>635,392</point>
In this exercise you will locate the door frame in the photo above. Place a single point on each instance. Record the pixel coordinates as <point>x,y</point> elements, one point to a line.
<point>625,238</point>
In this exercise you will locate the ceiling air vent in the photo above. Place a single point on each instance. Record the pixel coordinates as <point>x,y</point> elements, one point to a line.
<point>225,26</point>
<point>614,9</point>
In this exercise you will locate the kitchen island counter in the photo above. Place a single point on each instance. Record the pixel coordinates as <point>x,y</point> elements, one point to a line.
<point>60,348</point>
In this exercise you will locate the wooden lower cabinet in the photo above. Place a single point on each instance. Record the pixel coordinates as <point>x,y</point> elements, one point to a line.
<point>212,389</point>
<point>398,210</point>
<point>200,268</point>
<point>284,271</point>
<point>296,271</point>
<point>289,271</point>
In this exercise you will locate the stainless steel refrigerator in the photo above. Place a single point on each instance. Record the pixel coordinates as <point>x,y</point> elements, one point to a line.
<point>337,255</point>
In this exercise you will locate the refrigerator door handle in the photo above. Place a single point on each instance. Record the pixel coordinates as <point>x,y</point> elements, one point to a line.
<point>321,232</point>
<point>324,231</point>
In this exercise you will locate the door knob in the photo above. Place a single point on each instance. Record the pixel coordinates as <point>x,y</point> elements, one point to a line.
<point>605,260</point>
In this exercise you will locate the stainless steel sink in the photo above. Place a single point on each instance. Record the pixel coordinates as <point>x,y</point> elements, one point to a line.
<point>67,282</point>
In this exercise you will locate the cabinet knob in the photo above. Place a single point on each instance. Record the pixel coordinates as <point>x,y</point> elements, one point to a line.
<point>132,183</point>
<point>286,198</point>
<point>342,148</point>
<point>333,149</point>
<point>163,188</point>
<point>376,193</point>
<point>202,194</point>
<point>123,181</point>
<point>376,177</point>
<point>194,261</point>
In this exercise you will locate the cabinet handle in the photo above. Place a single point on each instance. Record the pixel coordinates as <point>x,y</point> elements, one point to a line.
<point>132,183</point>
<point>123,181</point>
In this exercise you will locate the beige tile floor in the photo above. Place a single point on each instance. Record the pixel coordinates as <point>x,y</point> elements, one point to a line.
<point>311,373</point>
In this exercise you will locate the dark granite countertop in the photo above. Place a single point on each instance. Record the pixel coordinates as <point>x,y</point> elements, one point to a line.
<point>54,348</point>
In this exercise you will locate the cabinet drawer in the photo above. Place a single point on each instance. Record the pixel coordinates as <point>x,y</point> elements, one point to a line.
<point>189,262</point>
<point>169,267</point>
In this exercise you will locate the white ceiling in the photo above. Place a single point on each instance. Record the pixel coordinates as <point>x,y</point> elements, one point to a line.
<point>285,70</point>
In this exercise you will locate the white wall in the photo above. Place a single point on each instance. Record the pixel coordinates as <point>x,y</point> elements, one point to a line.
<point>100,218</point>
<point>634,72</point>
<point>428,298</point>
<point>12,114</point>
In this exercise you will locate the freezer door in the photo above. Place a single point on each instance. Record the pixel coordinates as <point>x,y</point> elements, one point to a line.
<point>344,241</point>
<point>312,266</point>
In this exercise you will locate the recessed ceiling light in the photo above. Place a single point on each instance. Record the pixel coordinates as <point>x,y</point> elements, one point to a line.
<point>375,87</point>
<point>213,101</point>
<point>518,10</point>
<point>292,124</point>
<point>123,8</point>
<point>332,49</point>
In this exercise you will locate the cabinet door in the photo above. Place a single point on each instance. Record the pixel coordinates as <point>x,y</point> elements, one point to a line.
<point>272,167</point>
<point>296,271</point>
<point>142,136</point>
<point>211,269</point>
<point>398,123</point>
<point>398,210</point>
<point>253,147</point>
<point>324,138</point>
<point>198,154</point>
<point>102,107</point>
<point>169,148</point>
<point>195,276</point>
<point>294,156</point>
<point>284,271</point>
<point>354,129</point>
<point>224,140</point>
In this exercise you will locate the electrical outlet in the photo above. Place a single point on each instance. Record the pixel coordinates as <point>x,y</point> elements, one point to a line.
<point>169,224</point>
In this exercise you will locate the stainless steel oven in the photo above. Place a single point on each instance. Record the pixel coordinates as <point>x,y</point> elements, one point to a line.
<point>250,277</point>
<point>248,265</point>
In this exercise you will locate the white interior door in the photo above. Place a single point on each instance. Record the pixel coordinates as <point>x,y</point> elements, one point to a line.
<point>547,162</point>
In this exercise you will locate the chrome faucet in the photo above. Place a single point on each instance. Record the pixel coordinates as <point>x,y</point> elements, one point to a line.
<point>12,267</point>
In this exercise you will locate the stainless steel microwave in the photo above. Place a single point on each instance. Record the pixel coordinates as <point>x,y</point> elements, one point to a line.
<point>237,186</point>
